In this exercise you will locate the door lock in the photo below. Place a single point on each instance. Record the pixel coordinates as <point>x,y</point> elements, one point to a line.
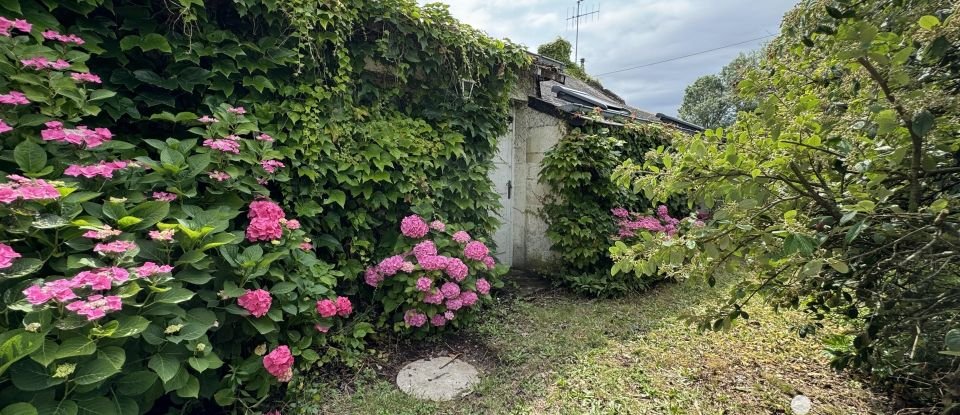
<point>509,189</point>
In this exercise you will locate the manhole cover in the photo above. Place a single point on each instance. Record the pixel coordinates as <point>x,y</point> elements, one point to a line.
<point>437,379</point>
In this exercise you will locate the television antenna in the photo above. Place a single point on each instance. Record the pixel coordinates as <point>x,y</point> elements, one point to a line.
<point>576,16</point>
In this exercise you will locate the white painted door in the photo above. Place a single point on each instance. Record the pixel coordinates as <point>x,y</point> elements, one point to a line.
<point>503,182</point>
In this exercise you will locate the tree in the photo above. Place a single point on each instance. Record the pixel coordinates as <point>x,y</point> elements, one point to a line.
<point>839,194</point>
<point>713,100</point>
<point>561,49</point>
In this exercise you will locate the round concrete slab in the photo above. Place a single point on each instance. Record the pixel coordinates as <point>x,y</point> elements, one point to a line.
<point>437,379</point>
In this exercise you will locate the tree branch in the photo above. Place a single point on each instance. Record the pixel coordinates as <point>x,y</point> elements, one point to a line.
<point>829,205</point>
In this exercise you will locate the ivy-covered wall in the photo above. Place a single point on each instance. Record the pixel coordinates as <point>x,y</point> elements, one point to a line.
<point>364,97</point>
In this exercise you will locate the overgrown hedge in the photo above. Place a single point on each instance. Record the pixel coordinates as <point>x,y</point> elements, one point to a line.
<point>580,224</point>
<point>349,115</point>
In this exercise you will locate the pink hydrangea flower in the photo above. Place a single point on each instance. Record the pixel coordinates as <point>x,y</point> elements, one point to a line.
<point>165,235</point>
<point>96,306</point>
<point>149,269</point>
<point>344,307</point>
<point>454,304</point>
<point>115,247</point>
<point>265,209</point>
<point>85,77</point>
<point>620,212</point>
<point>372,277</point>
<point>483,287</point>
<point>476,251</point>
<point>450,290</point>
<point>413,226</point>
<point>433,263</point>
<point>449,315</point>
<point>438,320</point>
<point>101,278</point>
<point>265,219</point>
<point>306,246</point>
<point>14,98</point>
<point>322,328</point>
<point>36,295</point>
<point>414,318</point>
<point>7,255</point>
<point>326,308</point>
<point>469,298</point>
<point>53,35</point>
<point>456,269</point>
<point>489,262</point>
<point>424,249</point>
<point>60,290</point>
<point>407,267</point>
<point>81,135</point>
<point>103,169</point>
<point>218,175</point>
<point>7,25</point>
<point>292,224</point>
<point>257,302</point>
<point>279,363</point>
<point>20,187</point>
<point>237,110</point>
<point>424,284</point>
<point>164,196</point>
<point>40,63</point>
<point>438,226</point>
<point>461,237</point>
<point>390,265</point>
<point>435,297</point>
<point>223,145</point>
<point>4,127</point>
<point>271,166</point>
<point>206,119</point>
<point>265,137</point>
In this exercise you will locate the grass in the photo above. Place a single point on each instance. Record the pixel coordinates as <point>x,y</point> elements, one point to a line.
<point>562,354</point>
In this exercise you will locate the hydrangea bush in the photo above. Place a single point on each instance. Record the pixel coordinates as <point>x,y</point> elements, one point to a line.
<point>438,277</point>
<point>132,274</point>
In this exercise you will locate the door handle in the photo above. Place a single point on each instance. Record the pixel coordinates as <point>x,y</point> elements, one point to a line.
<point>509,189</point>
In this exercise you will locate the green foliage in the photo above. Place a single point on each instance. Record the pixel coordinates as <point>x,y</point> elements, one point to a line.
<point>561,50</point>
<point>578,171</point>
<point>838,195</point>
<point>713,101</point>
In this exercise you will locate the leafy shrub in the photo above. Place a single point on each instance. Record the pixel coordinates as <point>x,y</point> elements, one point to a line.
<point>577,210</point>
<point>438,276</point>
<point>125,273</point>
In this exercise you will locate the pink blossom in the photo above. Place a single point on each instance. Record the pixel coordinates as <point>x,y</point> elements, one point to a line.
<point>100,279</point>
<point>620,212</point>
<point>40,63</point>
<point>103,169</point>
<point>36,295</point>
<point>223,145</point>
<point>483,287</point>
<point>149,269</point>
<point>104,232</point>
<point>60,290</point>
<point>292,224</point>
<point>279,363</point>
<point>454,304</point>
<point>4,127</point>
<point>344,307</point>
<point>699,223</point>
<point>232,137</point>
<point>433,263</point>
<point>85,77</point>
<point>265,219</point>
<point>7,255</point>
<point>206,119</point>
<point>450,290</point>
<point>424,249</point>
<point>456,269</point>
<point>372,277</point>
<point>96,306</point>
<point>237,110</point>
<point>424,284</point>
<point>306,246</point>
<point>448,315</point>
<point>326,308</point>
<point>219,175</point>
<point>414,318</point>
<point>489,262</point>
<point>164,196</point>
<point>265,137</point>
<point>27,189</point>
<point>6,25</point>
<point>469,298</point>
<point>322,328</point>
<point>257,302</point>
<point>14,98</point>
<point>81,135</point>
<point>435,297</point>
<point>438,320</point>
<point>407,267</point>
<point>115,247</point>
<point>413,226</point>
<point>461,237</point>
<point>271,166</point>
<point>438,226</point>
<point>165,235</point>
<point>476,251</point>
<point>265,209</point>
<point>390,265</point>
<point>262,181</point>
<point>52,35</point>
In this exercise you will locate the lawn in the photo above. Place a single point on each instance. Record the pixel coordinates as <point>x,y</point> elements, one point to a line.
<point>556,353</point>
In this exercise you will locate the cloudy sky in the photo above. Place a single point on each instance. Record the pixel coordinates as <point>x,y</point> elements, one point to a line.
<point>630,33</point>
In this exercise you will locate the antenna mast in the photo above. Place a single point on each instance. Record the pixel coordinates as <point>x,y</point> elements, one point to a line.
<point>576,21</point>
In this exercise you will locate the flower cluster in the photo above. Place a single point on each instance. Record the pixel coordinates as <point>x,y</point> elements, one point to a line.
<point>279,363</point>
<point>14,98</point>
<point>629,222</point>
<point>94,306</point>
<point>149,269</point>
<point>271,166</point>
<point>40,63</point>
<point>7,255</point>
<point>103,169</point>
<point>230,144</point>
<point>257,302</point>
<point>22,188</point>
<point>53,35</point>
<point>80,135</point>
<point>100,233</point>
<point>115,247</point>
<point>7,26</point>
<point>162,236</point>
<point>340,307</point>
<point>85,77</point>
<point>414,226</point>
<point>267,221</point>
<point>164,196</point>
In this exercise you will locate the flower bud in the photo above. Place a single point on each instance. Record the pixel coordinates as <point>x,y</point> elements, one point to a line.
<point>64,370</point>
<point>32,327</point>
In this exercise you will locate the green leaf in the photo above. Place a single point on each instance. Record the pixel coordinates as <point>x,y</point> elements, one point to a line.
<point>46,354</point>
<point>128,221</point>
<point>93,371</point>
<point>96,406</point>
<point>17,344</point>
<point>191,389</point>
<point>150,213</point>
<point>166,366</point>
<point>21,268</point>
<point>154,41</point>
<point>797,243</point>
<point>20,408</point>
<point>55,407</point>
<point>29,376</point>
<point>136,383</point>
<point>76,346</point>
<point>855,230</point>
<point>31,157</point>
<point>48,221</point>
<point>337,196</point>
<point>922,123</point>
<point>929,22</point>
<point>129,42</point>
<point>887,121</point>
<point>839,266</point>
<point>263,325</point>
<point>175,296</point>
<point>952,340</point>
<point>130,326</point>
